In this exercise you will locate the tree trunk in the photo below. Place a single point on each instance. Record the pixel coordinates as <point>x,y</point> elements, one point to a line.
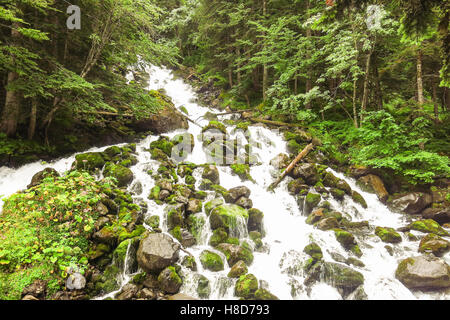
<point>33,117</point>
<point>436,103</point>
<point>355,115</point>
<point>11,111</point>
<point>365,98</point>
<point>265,71</point>
<point>308,56</point>
<point>420,97</point>
<point>378,92</point>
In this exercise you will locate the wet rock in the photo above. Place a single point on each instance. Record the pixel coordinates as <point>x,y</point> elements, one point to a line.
<point>424,272</point>
<point>432,243</point>
<point>175,215</point>
<point>211,173</point>
<point>314,251</point>
<point>358,294</point>
<point>280,161</point>
<point>311,201</point>
<point>181,296</point>
<point>219,236</point>
<point>128,292</point>
<point>306,171</point>
<point>327,224</point>
<point>234,253</point>
<point>165,185</point>
<point>373,183</point>
<point>296,186</point>
<point>316,216</point>
<point>358,198</point>
<point>226,216</point>
<point>244,202</point>
<point>169,281</point>
<point>89,161</point>
<point>337,193</point>
<point>156,252</point>
<point>411,203</point>
<point>235,193</point>
<point>263,294</point>
<point>147,294</point>
<point>246,286</point>
<point>440,215</point>
<point>203,287</point>
<point>152,221</point>
<point>123,174</point>
<point>187,239</point>
<point>189,262</point>
<point>211,261</point>
<point>41,175</point>
<point>428,226</point>
<point>194,206</point>
<point>342,277</point>
<point>388,235</point>
<point>238,269</point>
<point>255,220</point>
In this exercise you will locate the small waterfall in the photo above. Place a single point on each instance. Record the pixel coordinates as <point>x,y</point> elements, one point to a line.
<point>286,232</point>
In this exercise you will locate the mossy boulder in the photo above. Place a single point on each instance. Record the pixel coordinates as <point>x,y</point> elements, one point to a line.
<point>424,272</point>
<point>388,235</point>
<point>311,201</point>
<point>89,161</point>
<point>297,185</point>
<point>428,226</point>
<point>123,174</point>
<point>342,277</point>
<point>194,206</point>
<point>163,144</point>
<point>210,205</point>
<point>234,253</point>
<point>246,286</point>
<point>211,173</point>
<point>238,269</point>
<point>433,243</point>
<point>226,216</point>
<point>153,221</point>
<point>242,170</point>
<point>211,261</point>
<point>348,241</point>
<point>175,215</point>
<point>203,287</point>
<point>255,220</point>
<point>314,251</point>
<point>374,184</point>
<point>218,236</point>
<point>169,281</point>
<point>358,198</point>
<point>156,252</point>
<point>337,193</point>
<point>215,125</point>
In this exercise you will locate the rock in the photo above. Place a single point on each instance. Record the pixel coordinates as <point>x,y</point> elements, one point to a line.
<point>440,215</point>
<point>297,186</point>
<point>187,239</point>
<point>337,193</point>
<point>432,243</point>
<point>342,277</point>
<point>128,292</point>
<point>280,161</point>
<point>358,198</point>
<point>169,281</point>
<point>123,174</point>
<point>311,201</point>
<point>156,252</point>
<point>357,171</point>
<point>175,215</point>
<point>306,171</point>
<point>41,175</point>
<point>181,296</point>
<point>246,286</point>
<point>263,294</point>
<point>29,297</point>
<point>388,235</point>
<point>234,253</point>
<point>153,221</point>
<point>226,216</point>
<point>211,173</point>
<point>358,294</point>
<point>314,251</point>
<point>245,203</point>
<point>147,294</point>
<point>37,289</point>
<point>89,161</point>
<point>194,206</point>
<point>424,272</point>
<point>373,183</point>
<point>219,236</point>
<point>238,269</point>
<point>235,193</point>
<point>255,220</point>
<point>165,185</point>
<point>411,203</point>
<point>316,216</point>
<point>167,118</point>
<point>345,238</point>
<point>428,226</point>
<point>75,281</point>
<point>211,261</point>
<point>203,287</point>
<point>440,195</point>
<point>327,224</point>
<point>189,262</point>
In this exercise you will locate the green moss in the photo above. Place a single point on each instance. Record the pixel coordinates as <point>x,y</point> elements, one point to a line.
<point>203,287</point>
<point>263,294</point>
<point>345,238</point>
<point>246,286</point>
<point>123,174</point>
<point>428,226</point>
<point>211,261</point>
<point>153,221</point>
<point>219,236</point>
<point>243,171</point>
<point>434,244</point>
<point>312,199</point>
<point>210,205</point>
<point>215,125</point>
<point>163,144</point>
<point>226,216</point>
<point>388,235</point>
<point>195,223</point>
<point>314,251</point>
<point>359,199</point>
<point>176,233</point>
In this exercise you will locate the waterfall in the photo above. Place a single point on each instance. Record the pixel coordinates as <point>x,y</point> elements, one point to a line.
<point>286,232</point>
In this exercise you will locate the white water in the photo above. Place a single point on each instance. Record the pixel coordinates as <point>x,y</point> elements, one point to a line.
<point>286,231</point>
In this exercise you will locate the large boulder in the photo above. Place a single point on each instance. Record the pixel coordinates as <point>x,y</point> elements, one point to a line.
<point>167,119</point>
<point>424,272</point>
<point>373,183</point>
<point>235,193</point>
<point>440,215</point>
<point>411,203</point>
<point>156,252</point>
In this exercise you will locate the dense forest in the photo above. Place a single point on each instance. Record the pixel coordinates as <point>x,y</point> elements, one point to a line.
<point>367,82</point>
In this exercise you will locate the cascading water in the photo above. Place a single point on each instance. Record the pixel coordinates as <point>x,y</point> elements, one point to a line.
<point>286,233</point>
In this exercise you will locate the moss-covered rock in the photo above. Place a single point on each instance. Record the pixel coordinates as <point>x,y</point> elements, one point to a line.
<point>238,269</point>
<point>203,287</point>
<point>211,173</point>
<point>433,243</point>
<point>342,277</point>
<point>89,161</point>
<point>234,253</point>
<point>337,193</point>
<point>152,221</point>
<point>210,205</point>
<point>123,174</point>
<point>227,216</point>
<point>211,261</point>
<point>255,221</point>
<point>163,144</point>
<point>358,198</point>
<point>263,294</point>
<point>311,201</point>
<point>246,286</point>
<point>388,235</point>
<point>242,170</point>
<point>219,236</point>
<point>428,226</point>
<point>314,251</point>
<point>169,281</point>
<point>215,125</point>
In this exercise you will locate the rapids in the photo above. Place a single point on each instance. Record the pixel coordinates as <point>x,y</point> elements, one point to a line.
<point>286,231</point>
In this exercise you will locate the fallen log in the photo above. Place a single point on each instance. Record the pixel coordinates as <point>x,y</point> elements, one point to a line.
<point>291,166</point>
<point>275,123</point>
